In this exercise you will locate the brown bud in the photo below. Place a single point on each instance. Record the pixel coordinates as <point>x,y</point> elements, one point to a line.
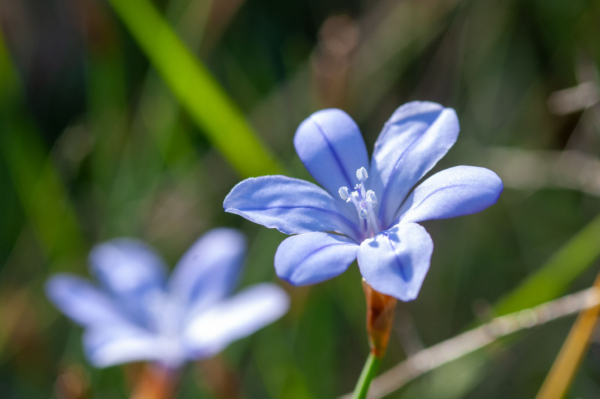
<point>155,382</point>
<point>380,318</point>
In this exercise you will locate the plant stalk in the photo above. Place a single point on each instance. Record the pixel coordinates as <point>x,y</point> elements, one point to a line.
<point>366,376</point>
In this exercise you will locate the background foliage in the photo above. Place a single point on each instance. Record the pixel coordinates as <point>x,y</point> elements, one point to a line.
<point>112,124</point>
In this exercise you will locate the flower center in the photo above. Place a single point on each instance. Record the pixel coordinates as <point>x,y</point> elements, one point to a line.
<point>364,201</point>
<point>166,321</point>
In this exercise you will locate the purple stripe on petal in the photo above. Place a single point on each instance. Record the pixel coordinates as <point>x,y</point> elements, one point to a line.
<point>292,206</point>
<point>314,257</point>
<point>334,154</point>
<point>404,268</point>
<point>331,147</point>
<point>413,140</point>
<point>395,262</point>
<point>458,191</point>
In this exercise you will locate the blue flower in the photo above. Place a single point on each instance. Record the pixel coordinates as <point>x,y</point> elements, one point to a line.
<point>139,315</point>
<point>366,210</point>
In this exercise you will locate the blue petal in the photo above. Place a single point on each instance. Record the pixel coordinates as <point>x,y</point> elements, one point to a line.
<point>292,206</point>
<point>82,302</point>
<point>396,261</point>
<point>331,147</point>
<point>314,257</point>
<point>209,269</point>
<point>243,314</point>
<point>132,272</point>
<point>457,191</point>
<point>106,347</point>
<point>413,140</point>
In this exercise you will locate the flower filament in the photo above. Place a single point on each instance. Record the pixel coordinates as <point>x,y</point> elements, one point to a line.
<point>364,201</point>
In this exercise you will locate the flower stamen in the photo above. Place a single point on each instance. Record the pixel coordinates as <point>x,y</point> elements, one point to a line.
<point>362,174</point>
<point>364,201</point>
<point>344,193</point>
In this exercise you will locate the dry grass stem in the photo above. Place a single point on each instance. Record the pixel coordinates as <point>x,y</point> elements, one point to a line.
<point>470,341</point>
<point>569,358</point>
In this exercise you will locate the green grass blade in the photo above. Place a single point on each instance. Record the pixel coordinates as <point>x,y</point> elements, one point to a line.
<point>196,89</point>
<point>36,181</point>
<point>553,279</point>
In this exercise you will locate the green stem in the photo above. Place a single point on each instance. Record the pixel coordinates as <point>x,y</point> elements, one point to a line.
<point>368,373</point>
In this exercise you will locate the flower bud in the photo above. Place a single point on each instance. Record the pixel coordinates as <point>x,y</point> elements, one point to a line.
<point>380,318</point>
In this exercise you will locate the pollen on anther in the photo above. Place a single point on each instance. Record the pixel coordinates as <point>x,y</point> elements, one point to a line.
<point>344,193</point>
<point>371,197</point>
<point>362,174</point>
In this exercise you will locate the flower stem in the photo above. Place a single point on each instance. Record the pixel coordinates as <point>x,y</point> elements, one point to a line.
<point>368,373</point>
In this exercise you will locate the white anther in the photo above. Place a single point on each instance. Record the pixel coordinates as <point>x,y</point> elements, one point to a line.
<point>362,174</point>
<point>371,197</point>
<point>344,194</point>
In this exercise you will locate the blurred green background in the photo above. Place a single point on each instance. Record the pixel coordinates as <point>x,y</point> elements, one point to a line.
<point>113,124</point>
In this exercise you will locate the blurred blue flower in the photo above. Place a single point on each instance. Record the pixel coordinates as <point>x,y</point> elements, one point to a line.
<point>138,314</point>
<point>366,211</point>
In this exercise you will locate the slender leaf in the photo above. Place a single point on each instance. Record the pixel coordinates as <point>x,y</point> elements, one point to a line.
<point>195,88</point>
